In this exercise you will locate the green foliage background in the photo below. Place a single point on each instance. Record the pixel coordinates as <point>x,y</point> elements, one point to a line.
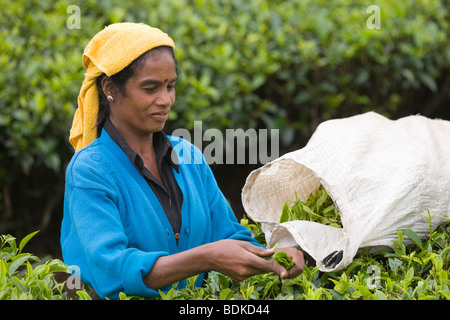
<point>243,64</point>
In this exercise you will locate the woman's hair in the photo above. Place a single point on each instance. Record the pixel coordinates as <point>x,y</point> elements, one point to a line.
<point>119,80</point>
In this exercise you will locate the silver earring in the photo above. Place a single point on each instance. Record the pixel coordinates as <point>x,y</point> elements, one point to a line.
<point>110,99</point>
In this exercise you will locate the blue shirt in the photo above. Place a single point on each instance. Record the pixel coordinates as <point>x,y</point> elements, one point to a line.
<point>114,228</point>
<point>167,190</point>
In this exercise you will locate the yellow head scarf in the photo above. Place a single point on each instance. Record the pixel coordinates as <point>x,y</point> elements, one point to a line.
<point>110,51</point>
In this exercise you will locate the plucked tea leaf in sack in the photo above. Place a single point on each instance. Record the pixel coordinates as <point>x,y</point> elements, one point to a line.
<point>319,207</point>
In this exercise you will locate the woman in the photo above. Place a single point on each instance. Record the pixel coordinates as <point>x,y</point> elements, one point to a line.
<point>137,218</point>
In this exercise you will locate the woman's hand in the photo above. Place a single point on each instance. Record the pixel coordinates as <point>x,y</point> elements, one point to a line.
<point>299,263</point>
<point>240,259</point>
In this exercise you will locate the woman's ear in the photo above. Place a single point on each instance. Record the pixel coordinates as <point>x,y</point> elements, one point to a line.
<point>108,86</point>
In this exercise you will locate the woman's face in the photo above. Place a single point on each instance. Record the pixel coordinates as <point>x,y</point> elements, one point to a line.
<point>149,96</point>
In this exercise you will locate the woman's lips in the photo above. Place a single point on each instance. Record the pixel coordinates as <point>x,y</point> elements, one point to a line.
<point>160,116</point>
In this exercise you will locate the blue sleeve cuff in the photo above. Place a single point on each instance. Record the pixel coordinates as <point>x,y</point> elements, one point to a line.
<point>138,265</point>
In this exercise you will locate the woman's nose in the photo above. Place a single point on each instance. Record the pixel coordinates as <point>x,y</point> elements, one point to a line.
<point>165,98</point>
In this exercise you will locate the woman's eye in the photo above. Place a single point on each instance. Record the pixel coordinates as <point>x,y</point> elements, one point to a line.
<point>150,89</point>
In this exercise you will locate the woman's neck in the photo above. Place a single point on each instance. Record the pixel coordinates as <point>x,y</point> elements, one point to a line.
<point>139,143</point>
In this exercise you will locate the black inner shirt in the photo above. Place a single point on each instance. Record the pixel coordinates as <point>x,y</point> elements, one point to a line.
<point>168,192</point>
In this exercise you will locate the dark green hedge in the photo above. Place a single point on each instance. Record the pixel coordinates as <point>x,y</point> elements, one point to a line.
<point>243,64</point>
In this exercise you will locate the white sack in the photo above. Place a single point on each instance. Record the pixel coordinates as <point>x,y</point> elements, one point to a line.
<point>383,175</point>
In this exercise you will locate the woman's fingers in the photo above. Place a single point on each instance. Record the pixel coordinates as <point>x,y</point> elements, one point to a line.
<point>240,260</point>
<point>296,257</point>
<point>259,251</point>
<point>299,263</point>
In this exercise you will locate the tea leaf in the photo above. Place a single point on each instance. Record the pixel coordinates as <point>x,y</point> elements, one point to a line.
<point>283,259</point>
<point>17,262</point>
<point>413,236</point>
<point>3,269</point>
<point>226,294</point>
<point>285,213</point>
<point>275,247</point>
<point>26,239</point>
<point>394,264</point>
<point>83,295</point>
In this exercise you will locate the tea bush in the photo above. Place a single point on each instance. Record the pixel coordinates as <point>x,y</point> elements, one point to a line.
<point>419,272</point>
<point>415,272</point>
<point>24,276</point>
<point>243,64</point>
